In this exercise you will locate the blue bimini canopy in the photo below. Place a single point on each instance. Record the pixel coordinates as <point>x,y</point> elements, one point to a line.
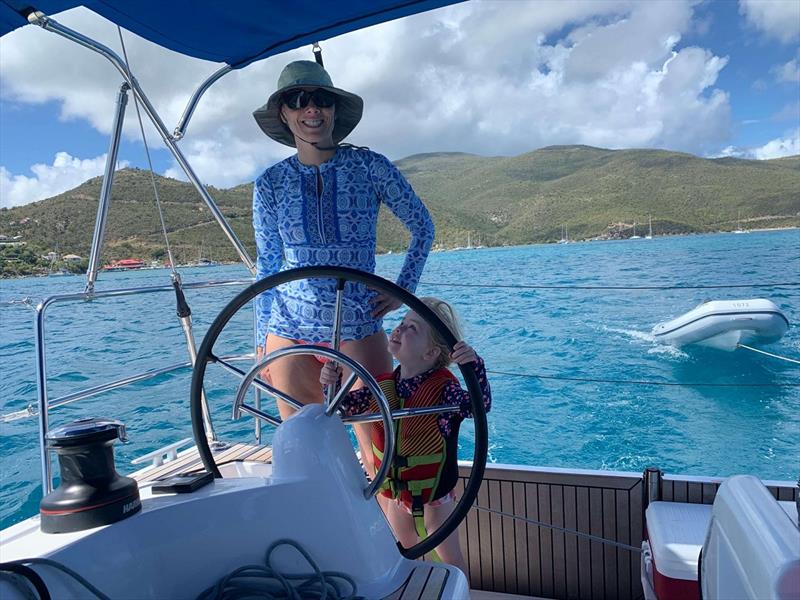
<point>236,33</point>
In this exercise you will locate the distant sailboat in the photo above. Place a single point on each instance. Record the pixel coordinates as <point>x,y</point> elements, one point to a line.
<point>634,236</point>
<point>469,243</point>
<point>564,236</point>
<point>739,224</point>
<point>649,235</point>
<point>202,261</point>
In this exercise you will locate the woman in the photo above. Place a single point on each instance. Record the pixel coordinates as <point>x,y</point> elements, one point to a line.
<point>320,207</point>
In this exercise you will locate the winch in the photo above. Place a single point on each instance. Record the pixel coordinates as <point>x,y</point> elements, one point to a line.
<point>91,492</point>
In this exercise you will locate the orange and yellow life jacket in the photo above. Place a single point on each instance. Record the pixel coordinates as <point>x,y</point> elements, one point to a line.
<point>421,452</point>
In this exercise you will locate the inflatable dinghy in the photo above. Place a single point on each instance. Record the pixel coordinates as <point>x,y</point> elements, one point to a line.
<point>724,324</point>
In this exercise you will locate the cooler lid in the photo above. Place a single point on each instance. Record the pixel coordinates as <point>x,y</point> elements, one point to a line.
<point>677,531</point>
<point>86,431</point>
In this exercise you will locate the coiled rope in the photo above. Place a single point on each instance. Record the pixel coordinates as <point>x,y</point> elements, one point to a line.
<point>257,581</point>
<point>251,581</point>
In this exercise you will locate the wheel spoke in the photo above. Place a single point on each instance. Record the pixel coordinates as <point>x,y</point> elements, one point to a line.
<point>260,414</point>
<point>260,384</point>
<point>336,338</point>
<point>334,403</point>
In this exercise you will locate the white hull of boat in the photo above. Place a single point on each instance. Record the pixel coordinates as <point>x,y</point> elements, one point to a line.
<point>724,324</point>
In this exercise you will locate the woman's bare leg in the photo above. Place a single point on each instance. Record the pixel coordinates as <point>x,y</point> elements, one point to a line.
<point>297,376</point>
<point>450,549</point>
<point>373,355</point>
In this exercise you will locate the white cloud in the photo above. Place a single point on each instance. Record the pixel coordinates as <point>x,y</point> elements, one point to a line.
<point>787,73</point>
<point>779,19</point>
<point>500,77</point>
<point>223,163</point>
<point>65,173</point>
<point>786,146</point>
<point>789,145</point>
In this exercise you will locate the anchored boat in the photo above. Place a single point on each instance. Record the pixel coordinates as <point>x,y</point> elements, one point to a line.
<point>725,324</point>
<point>183,525</point>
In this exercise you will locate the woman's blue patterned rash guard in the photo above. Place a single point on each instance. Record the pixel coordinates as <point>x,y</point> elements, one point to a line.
<point>300,223</point>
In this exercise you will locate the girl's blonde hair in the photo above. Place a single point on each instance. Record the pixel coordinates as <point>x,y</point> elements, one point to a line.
<point>449,317</point>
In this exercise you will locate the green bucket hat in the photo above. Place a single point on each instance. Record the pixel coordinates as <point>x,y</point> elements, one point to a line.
<point>307,73</point>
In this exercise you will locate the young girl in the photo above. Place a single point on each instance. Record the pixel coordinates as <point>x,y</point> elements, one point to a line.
<point>421,490</point>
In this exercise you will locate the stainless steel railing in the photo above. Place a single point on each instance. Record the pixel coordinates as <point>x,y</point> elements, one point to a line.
<point>44,404</point>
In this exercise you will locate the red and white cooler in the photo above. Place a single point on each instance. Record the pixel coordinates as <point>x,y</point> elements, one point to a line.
<point>675,534</point>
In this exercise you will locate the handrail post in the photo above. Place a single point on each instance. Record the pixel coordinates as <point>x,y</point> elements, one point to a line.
<point>651,490</point>
<point>105,191</point>
<point>41,387</point>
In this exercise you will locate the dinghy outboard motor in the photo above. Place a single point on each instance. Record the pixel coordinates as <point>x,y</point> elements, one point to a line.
<point>91,492</point>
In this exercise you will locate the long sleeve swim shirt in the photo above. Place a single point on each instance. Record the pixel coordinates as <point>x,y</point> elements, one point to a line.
<point>306,215</point>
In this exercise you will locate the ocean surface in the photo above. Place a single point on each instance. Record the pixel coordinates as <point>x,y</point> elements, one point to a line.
<point>578,380</point>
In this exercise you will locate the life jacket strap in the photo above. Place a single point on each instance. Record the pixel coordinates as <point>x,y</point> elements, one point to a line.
<point>409,462</point>
<point>414,487</point>
<point>418,513</point>
<point>404,462</point>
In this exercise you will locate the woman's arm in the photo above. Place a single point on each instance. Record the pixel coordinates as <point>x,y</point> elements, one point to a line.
<point>396,193</point>
<point>269,248</point>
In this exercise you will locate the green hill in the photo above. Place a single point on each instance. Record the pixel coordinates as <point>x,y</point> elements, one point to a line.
<point>596,193</point>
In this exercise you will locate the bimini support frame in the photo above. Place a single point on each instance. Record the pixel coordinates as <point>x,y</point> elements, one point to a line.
<point>40,19</point>
<point>180,128</point>
<point>105,191</point>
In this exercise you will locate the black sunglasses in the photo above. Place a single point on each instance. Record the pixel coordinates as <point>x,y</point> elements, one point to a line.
<point>296,99</point>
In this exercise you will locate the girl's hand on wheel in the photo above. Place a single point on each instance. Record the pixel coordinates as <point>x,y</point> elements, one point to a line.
<point>330,373</point>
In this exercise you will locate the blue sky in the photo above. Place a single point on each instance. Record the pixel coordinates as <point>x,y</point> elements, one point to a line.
<point>502,77</point>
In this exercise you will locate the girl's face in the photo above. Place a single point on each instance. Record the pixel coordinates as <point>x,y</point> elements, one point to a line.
<point>312,122</point>
<point>410,343</point>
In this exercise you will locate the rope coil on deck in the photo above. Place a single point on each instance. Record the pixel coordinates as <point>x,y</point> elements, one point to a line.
<point>259,581</point>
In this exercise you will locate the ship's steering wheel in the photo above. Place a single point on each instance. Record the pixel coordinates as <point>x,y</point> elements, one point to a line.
<point>341,274</point>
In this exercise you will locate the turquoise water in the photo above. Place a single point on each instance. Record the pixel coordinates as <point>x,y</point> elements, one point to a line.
<point>521,332</point>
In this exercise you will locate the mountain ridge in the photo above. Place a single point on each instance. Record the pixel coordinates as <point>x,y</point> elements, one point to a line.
<point>596,193</point>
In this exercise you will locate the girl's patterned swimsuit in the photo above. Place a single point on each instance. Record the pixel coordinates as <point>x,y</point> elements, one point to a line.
<point>310,216</point>
<point>358,401</point>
